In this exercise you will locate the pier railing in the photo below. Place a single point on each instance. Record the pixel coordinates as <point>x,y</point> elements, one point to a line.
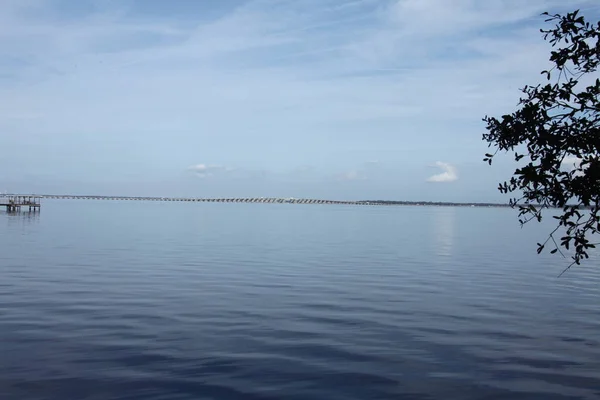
<point>16,202</point>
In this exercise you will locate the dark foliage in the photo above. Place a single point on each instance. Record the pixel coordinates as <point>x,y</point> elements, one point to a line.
<point>557,123</point>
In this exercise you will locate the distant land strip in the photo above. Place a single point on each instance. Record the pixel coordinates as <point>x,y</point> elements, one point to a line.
<point>281,200</point>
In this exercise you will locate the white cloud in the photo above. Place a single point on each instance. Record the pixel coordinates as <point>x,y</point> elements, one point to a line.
<point>204,170</point>
<point>367,170</point>
<point>353,175</point>
<point>449,173</point>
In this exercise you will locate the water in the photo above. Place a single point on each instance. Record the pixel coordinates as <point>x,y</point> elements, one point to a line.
<point>131,300</point>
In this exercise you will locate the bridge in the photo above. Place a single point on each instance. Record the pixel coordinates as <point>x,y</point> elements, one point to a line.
<point>206,200</point>
<point>33,200</point>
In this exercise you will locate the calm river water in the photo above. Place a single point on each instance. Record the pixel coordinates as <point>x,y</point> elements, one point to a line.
<point>132,300</point>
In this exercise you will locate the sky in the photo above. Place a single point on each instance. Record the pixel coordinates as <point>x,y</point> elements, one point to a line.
<point>338,99</point>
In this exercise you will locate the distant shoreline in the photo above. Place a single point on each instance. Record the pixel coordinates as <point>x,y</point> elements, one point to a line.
<point>433,203</point>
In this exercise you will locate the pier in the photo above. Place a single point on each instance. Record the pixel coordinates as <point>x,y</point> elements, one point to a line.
<point>13,203</point>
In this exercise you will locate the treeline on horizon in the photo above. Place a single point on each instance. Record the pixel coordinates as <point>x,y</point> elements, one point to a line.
<point>449,203</point>
<point>433,203</point>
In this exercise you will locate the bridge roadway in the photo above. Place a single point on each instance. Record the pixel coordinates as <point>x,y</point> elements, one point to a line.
<point>209,200</point>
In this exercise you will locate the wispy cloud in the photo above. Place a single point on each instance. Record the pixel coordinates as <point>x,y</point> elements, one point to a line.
<point>266,84</point>
<point>352,176</point>
<point>204,170</point>
<point>361,173</point>
<point>449,173</point>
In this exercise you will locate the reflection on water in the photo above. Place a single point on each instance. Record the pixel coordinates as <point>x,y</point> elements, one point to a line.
<point>443,220</point>
<point>20,217</point>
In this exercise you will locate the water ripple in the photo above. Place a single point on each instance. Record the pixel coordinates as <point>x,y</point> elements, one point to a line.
<point>245,302</point>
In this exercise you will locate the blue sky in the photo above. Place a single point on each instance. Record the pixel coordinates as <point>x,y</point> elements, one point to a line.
<point>348,99</point>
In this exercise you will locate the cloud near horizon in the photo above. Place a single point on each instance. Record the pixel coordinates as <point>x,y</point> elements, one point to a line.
<point>204,170</point>
<point>366,171</point>
<point>449,173</point>
<point>353,175</point>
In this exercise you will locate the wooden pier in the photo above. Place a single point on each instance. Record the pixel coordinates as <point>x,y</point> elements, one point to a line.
<point>13,203</point>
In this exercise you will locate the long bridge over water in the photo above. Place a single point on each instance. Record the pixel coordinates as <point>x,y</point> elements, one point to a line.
<point>205,200</point>
<point>35,199</point>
